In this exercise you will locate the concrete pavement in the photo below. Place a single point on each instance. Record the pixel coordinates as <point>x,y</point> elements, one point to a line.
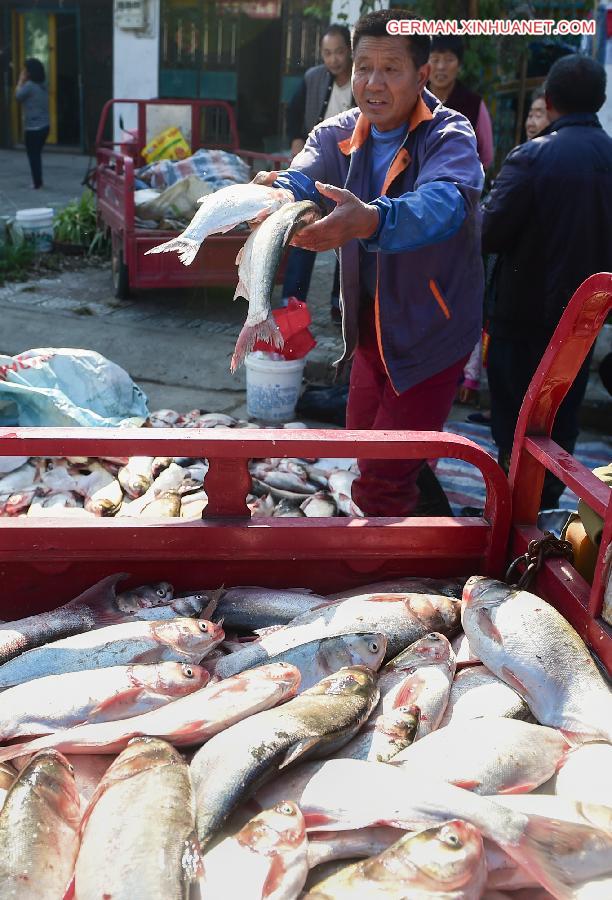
<point>176,345</point>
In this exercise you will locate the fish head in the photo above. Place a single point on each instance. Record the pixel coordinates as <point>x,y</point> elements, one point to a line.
<point>189,635</point>
<point>350,681</point>
<point>51,778</point>
<point>190,606</point>
<point>278,828</point>
<point>171,679</point>
<point>436,611</point>
<point>287,676</point>
<point>364,649</point>
<point>146,596</point>
<point>447,858</point>
<point>432,649</point>
<point>484,593</point>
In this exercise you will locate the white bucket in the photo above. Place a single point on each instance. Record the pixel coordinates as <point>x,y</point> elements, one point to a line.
<point>273,386</point>
<point>37,227</point>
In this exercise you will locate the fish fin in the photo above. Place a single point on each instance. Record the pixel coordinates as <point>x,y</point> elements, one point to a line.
<point>115,701</point>
<point>267,331</point>
<point>215,597</point>
<point>241,291</point>
<point>148,657</point>
<point>405,696</point>
<point>102,594</point>
<point>239,255</point>
<point>70,889</point>
<point>468,785</point>
<point>510,678</point>
<point>315,820</point>
<point>524,788</point>
<point>277,870</point>
<point>575,739</point>
<point>542,847</point>
<point>298,750</point>
<point>24,747</point>
<point>191,860</point>
<point>185,247</point>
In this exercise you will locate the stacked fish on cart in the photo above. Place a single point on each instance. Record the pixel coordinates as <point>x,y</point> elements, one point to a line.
<point>163,487</point>
<point>417,738</point>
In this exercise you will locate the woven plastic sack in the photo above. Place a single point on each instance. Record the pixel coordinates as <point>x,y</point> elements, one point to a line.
<point>68,387</point>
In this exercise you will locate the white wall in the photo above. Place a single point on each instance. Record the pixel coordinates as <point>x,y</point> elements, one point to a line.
<point>136,64</point>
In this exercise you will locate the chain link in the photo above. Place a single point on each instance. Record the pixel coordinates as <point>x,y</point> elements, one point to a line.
<point>537,551</point>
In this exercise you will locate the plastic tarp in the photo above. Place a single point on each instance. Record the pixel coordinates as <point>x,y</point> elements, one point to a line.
<point>68,387</point>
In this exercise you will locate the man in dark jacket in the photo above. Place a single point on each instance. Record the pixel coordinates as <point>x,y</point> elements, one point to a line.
<point>549,217</point>
<point>324,92</point>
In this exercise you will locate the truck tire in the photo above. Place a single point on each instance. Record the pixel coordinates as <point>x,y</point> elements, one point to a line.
<point>121,278</point>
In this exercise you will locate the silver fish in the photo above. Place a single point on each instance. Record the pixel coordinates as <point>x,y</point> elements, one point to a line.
<point>138,832</point>
<point>186,722</point>
<point>178,640</point>
<point>222,211</point>
<point>39,830</point>
<point>528,644</point>
<point>316,722</point>
<point>319,505</point>
<point>97,607</point>
<point>55,702</point>
<point>264,256</point>
<point>321,657</point>
<point>137,476</point>
<point>248,608</point>
<point>477,692</point>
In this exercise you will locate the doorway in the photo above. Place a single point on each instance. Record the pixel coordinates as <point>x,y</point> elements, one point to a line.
<point>53,38</point>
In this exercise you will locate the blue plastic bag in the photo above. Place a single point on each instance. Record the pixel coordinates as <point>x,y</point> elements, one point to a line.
<point>63,386</point>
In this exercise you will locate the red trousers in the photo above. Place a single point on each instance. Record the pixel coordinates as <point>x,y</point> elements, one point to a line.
<point>388,487</point>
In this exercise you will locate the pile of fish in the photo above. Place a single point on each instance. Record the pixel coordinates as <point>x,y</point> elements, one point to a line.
<point>415,738</point>
<point>166,487</point>
<point>275,218</point>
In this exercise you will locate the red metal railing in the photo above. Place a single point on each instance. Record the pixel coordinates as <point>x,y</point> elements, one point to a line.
<point>534,452</point>
<point>227,545</point>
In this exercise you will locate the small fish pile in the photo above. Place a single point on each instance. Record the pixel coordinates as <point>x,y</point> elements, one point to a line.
<point>314,747</point>
<point>165,487</point>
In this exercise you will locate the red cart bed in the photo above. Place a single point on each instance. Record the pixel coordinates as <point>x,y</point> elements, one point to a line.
<point>46,562</point>
<point>212,125</point>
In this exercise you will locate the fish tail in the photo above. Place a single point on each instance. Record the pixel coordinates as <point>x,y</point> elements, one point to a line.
<point>267,331</point>
<point>546,843</point>
<point>185,247</point>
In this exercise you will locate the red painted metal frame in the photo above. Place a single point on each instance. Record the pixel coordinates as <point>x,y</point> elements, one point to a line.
<point>44,562</point>
<point>534,451</point>
<point>215,264</point>
<point>197,107</point>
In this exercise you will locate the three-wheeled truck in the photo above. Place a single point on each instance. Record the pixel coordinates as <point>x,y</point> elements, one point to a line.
<point>46,562</point>
<point>211,124</point>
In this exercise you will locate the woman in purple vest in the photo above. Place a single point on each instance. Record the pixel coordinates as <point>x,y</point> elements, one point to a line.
<point>445,60</point>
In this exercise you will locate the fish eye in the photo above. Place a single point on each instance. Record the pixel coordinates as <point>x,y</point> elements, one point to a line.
<point>161,592</point>
<point>433,637</point>
<point>373,646</point>
<point>188,672</point>
<point>285,809</point>
<point>203,625</point>
<point>449,837</point>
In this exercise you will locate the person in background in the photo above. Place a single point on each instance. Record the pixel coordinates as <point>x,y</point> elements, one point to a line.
<point>32,93</point>
<point>402,178</point>
<point>549,217</point>
<point>537,117</point>
<point>445,60</point>
<point>325,91</point>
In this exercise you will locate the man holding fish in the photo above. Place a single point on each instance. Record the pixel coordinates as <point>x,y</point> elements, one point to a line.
<point>402,178</point>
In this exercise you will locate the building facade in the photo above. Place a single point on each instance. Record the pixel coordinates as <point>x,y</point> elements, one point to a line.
<point>74,41</point>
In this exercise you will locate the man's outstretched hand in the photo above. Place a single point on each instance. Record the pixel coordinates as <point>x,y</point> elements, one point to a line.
<point>349,220</point>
